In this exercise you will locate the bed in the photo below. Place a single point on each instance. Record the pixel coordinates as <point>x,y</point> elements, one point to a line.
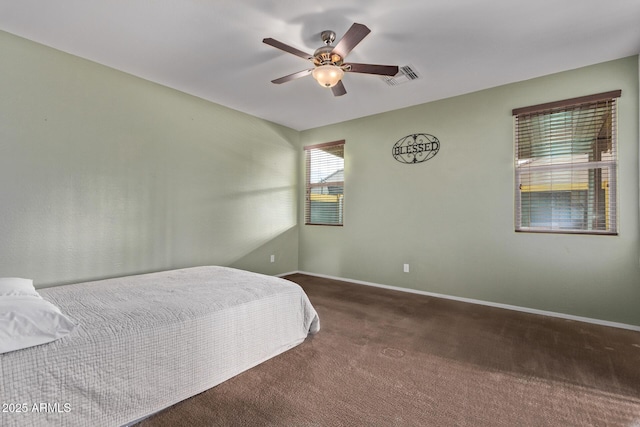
<point>143,343</point>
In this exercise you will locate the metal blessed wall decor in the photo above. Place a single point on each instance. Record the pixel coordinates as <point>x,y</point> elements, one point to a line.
<point>416,148</point>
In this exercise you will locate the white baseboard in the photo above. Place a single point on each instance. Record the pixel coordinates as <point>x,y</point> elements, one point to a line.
<point>286,274</point>
<point>479,302</point>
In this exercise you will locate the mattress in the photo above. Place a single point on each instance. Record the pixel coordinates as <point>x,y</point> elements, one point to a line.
<point>146,342</point>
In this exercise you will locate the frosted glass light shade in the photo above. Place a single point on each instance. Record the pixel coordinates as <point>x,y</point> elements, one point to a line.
<point>327,75</point>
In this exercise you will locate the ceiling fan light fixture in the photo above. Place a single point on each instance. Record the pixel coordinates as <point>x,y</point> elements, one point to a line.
<point>327,75</point>
<point>329,60</point>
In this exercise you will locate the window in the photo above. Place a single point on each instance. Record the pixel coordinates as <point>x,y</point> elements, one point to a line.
<point>324,183</point>
<point>566,166</point>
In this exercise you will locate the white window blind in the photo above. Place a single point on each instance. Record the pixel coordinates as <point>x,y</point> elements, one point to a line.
<point>566,166</point>
<point>324,183</point>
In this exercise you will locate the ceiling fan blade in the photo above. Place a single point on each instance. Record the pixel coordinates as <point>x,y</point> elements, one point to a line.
<point>383,70</point>
<point>351,38</point>
<point>338,89</point>
<point>293,76</point>
<point>285,47</point>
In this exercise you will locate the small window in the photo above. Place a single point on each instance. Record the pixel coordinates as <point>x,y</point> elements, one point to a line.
<point>566,166</point>
<point>324,202</point>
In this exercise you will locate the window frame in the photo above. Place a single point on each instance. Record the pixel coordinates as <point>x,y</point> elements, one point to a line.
<point>597,165</point>
<point>309,185</point>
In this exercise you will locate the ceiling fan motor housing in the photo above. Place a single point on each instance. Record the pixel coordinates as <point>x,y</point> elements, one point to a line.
<point>325,56</point>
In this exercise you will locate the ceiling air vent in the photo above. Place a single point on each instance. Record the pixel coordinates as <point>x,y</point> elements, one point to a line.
<point>406,74</point>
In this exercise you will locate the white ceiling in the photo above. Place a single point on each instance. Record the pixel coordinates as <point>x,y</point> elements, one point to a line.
<point>213,48</point>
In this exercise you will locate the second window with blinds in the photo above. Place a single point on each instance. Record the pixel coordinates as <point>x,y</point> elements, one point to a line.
<point>566,166</point>
<point>324,183</point>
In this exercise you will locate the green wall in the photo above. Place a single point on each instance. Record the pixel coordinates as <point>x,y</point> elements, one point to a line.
<point>104,174</point>
<point>452,218</point>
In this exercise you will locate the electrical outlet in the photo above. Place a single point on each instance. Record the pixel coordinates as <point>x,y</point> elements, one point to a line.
<point>273,258</point>
<point>406,268</point>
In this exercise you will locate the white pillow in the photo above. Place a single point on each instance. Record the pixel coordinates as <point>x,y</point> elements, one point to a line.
<point>26,319</point>
<point>15,286</point>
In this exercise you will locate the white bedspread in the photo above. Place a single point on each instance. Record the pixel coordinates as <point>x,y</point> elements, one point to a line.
<point>149,341</point>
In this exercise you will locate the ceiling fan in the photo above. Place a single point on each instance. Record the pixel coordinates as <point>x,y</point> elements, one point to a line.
<point>329,60</point>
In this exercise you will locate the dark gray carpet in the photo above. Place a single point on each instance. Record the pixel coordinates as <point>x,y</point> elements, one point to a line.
<point>387,358</point>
